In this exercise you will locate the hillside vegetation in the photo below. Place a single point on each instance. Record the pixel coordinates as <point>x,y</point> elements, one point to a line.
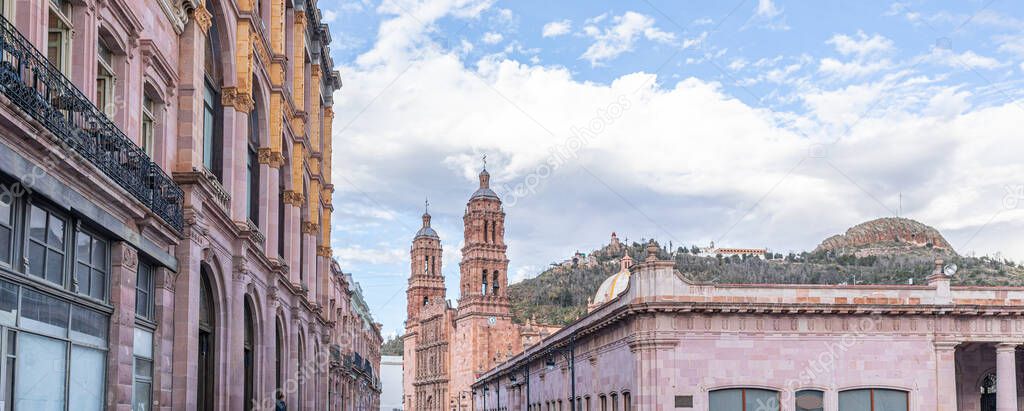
<point>559,295</point>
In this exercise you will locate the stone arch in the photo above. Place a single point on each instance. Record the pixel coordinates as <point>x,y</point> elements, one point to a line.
<point>223,37</point>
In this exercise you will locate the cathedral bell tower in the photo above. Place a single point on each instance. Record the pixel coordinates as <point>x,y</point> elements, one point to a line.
<point>484,267</point>
<point>426,283</point>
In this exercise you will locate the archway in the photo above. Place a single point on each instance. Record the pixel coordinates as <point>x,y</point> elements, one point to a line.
<point>248,358</point>
<point>207,349</point>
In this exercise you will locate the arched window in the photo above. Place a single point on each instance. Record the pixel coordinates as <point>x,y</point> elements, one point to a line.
<point>281,209</point>
<point>279,357</point>
<point>483,277</point>
<point>206,360</point>
<point>300,376</point>
<point>248,356</point>
<point>253,162</point>
<point>494,283</point>
<point>212,113</point>
<point>743,399</point>
<point>809,400</point>
<point>988,392</point>
<point>873,399</point>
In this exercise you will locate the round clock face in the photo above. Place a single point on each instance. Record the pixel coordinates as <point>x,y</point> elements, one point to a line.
<point>492,320</point>
<point>950,270</point>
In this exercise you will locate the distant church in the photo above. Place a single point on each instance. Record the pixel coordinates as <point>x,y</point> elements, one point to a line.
<point>447,348</point>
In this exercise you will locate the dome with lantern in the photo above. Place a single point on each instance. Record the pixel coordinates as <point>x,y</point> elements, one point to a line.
<point>614,285</point>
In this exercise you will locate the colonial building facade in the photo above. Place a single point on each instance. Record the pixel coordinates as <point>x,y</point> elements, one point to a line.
<point>447,348</point>
<point>661,342</point>
<point>165,205</point>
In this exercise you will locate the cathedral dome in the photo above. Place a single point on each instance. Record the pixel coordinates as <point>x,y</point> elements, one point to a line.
<point>615,285</point>
<point>426,230</point>
<point>485,187</point>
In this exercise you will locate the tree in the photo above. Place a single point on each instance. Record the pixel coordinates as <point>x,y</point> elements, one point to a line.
<point>393,346</point>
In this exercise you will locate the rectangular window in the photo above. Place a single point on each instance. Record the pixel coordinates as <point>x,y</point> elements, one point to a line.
<point>873,400</point>
<point>210,148</point>
<point>743,399</point>
<point>85,388</point>
<point>91,266</point>
<point>142,390</point>
<point>10,361</point>
<point>148,127</point>
<point>42,368</point>
<point>627,402</point>
<point>144,291</point>
<point>88,326</point>
<point>46,245</point>
<point>43,314</point>
<point>6,225</point>
<point>105,80</point>
<point>58,36</point>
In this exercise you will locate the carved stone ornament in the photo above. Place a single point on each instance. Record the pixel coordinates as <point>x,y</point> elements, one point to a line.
<point>264,155</point>
<point>129,258</point>
<point>323,251</point>
<point>203,17</point>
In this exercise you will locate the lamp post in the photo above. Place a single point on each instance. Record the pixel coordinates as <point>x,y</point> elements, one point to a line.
<point>569,353</point>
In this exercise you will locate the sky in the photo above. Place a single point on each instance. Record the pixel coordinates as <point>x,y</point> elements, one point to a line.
<point>757,123</point>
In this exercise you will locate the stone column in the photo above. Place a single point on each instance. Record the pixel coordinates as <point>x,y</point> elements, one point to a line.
<point>945,376</point>
<point>1006,377</point>
<point>120,371</point>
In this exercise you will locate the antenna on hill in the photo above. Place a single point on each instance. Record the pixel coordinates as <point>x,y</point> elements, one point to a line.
<point>899,207</point>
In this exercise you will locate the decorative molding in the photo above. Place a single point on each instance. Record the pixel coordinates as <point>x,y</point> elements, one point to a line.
<point>300,17</point>
<point>323,251</point>
<point>202,17</point>
<point>276,159</point>
<point>309,227</point>
<point>294,198</point>
<point>264,156</point>
<point>129,257</point>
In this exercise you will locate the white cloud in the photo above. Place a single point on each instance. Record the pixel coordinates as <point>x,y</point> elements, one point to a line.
<point>737,64</point>
<point>492,38</point>
<point>860,45</point>
<point>622,36</point>
<point>358,254</point>
<point>329,15</point>
<point>768,16</point>
<point>963,61</point>
<point>767,9</point>
<point>556,28</point>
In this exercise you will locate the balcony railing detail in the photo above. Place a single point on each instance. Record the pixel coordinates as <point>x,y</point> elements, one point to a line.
<point>33,84</point>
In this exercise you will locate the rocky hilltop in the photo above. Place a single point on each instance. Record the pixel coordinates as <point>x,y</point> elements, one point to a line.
<point>886,236</point>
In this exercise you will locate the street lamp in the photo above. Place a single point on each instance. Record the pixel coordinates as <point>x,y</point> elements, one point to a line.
<point>569,354</point>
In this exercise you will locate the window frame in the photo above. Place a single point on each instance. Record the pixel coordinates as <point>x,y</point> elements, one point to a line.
<point>796,394</point>
<point>64,19</point>
<point>148,289</point>
<point>871,391</point>
<point>147,129</point>
<point>106,266</point>
<point>50,212</point>
<point>7,191</point>
<point>105,72</point>
<point>743,395</point>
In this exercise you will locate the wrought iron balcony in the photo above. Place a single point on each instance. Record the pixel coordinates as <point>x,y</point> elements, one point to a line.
<point>37,87</point>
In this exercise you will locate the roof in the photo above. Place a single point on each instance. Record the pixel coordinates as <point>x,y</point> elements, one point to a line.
<point>427,232</point>
<point>611,287</point>
<point>484,192</point>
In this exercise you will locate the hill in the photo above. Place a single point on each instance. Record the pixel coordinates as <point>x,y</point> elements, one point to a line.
<point>883,251</point>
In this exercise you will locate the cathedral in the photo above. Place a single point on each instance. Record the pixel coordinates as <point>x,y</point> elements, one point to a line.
<point>447,348</point>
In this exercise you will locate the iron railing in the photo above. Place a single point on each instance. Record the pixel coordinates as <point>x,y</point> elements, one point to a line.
<point>33,84</point>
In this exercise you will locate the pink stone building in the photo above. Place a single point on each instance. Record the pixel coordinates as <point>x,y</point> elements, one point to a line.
<point>165,205</point>
<point>664,343</point>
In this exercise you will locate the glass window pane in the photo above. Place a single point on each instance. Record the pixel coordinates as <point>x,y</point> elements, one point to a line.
<point>810,400</point>
<point>88,326</point>
<point>762,400</point>
<point>37,224</point>
<point>82,244</point>
<point>36,259</point>
<point>86,383</point>
<point>6,199</point>
<point>43,313</point>
<point>142,400</point>
<point>725,400</point>
<point>82,277</point>
<point>56,237</point>
<point>143,345</point>
<point>8,303</point>
<point>143,369</point>
<point>855,400</point>
<point>5,244</point>
<point>99,253</point>
<point>55,267</point>
<point>98,285</point>
<point>890,400</point>
<point>42,364</point>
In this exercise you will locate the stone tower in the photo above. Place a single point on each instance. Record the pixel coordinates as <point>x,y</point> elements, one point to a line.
<point>485,334</point>
<point>428,324</point>
<point>426,283</point>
